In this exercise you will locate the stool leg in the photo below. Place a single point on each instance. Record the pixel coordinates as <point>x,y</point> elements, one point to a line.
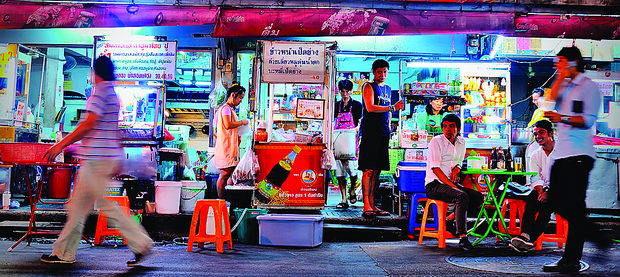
<point>219,242</point>
<point>512,224</point>
<point>423,226</point>
<point>227,226</point>
<point>441,215</point>
<point>203,225</point>
<point>192,229</point>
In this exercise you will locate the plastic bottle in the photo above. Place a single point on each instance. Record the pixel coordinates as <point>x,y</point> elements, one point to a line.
<point>6,199</point>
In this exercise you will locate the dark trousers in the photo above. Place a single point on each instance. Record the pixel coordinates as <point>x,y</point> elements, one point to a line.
<point>567,197</point>
<point>534,225</point>
<point>466,200</point>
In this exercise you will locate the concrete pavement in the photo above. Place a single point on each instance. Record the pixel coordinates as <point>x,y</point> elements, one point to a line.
<point>330,259</point>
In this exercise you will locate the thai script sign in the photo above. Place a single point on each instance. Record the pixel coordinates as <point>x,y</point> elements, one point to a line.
<point>293,62</point>
<point>140,60</point>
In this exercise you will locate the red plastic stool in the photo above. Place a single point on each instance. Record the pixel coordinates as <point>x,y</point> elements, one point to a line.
<point>516,208</point>
<point>198,229</point>
<point>441,234</point>
<point>561,232</point>
<point>102,221</point>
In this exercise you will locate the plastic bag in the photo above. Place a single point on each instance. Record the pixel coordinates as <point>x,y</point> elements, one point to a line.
<point>217,95</point>
<point>344,144</point>
<point>328,161</point>
<point>247,169</point>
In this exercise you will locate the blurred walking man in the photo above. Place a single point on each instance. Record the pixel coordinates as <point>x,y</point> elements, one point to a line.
<point>100,152</point>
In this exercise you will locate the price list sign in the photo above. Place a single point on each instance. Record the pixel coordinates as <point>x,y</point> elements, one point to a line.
<point>293,62</point>
<point>140,60</point>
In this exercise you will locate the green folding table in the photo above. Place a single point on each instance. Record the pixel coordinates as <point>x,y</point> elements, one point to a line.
<point>493,200</point>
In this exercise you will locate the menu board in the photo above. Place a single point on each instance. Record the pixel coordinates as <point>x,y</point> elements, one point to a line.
<point>139,59</point>
<point>293,62</point>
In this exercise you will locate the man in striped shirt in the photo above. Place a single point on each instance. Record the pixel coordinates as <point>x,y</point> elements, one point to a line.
<point>101,152</point>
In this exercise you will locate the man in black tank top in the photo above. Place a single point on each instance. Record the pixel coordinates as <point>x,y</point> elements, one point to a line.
<point>375,134</point>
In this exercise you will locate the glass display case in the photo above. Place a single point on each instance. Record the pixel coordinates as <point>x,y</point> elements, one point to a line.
<point>478,92</point>
<point>140,116</point>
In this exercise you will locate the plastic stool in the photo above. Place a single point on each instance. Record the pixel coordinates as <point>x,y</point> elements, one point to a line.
<point>102,221</point>
<point>413,214</point>
<point>198,230</point>
<point>441,234</point>
<point>516,208</point>
<point>561,232</point>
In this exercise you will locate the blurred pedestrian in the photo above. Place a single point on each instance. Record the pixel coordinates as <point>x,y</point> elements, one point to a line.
<point>100,154</point>
<point>578,101</point>
<point>227,137</point>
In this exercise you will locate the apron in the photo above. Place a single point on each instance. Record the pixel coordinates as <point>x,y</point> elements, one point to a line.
<point>344,120</point>
<point>227,142</point>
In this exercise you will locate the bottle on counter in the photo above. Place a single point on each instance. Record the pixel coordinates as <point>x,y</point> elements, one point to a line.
<point>501,161</point>
<point>6,199</point>
<point>509,162</point>
<point>493,158</point>
<point>270,186</point>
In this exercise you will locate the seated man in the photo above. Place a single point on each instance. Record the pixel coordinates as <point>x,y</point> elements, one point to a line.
<point>536,202</point>
<point>445,154</point>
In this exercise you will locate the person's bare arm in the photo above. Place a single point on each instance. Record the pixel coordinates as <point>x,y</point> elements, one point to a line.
<point>80,132</point>
<point>369,100</point>
<point>443,178</point>
<point>230,123</point>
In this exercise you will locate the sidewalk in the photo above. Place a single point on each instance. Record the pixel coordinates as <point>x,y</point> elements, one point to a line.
<point>330,259</point>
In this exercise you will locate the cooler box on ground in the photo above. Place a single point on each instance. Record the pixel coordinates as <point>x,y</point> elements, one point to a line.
<point>247,230</point>
<point>411,176</point>
<point>290,230</point>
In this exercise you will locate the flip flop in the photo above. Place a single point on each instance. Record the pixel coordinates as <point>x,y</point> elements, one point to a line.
<point>369,214</point>
<point>353,198</point>
<point>342,205</point>
<point>382,213</point>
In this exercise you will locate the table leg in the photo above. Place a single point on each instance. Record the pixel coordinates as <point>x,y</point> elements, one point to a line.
<point>497,203</point>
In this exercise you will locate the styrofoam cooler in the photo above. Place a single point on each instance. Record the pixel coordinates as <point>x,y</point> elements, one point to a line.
<point>411,176</point>
<point>191,191</point>
<point>167,197</point>
<point>290,230</point>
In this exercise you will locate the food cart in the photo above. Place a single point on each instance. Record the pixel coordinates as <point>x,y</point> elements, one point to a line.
<point>292,105</point>
<point>142,65</point>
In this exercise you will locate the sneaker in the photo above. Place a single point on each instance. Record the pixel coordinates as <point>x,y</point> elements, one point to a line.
<point>464,244</point>
<point>521,244</point>
<point>138,258</point>
<point>53,259</point>
<point>563,267</point>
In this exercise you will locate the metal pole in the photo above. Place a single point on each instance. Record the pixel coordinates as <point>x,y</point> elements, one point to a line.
<point>41,87</point>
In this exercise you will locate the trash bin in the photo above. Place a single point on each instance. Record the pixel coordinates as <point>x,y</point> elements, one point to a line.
<point>247,231</point>
<point>211,186</point>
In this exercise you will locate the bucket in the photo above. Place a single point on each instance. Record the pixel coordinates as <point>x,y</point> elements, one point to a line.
<point>167,197</point>
<point>191,191</point>
<point>211,180</point>
<point>60,183</point>
<point>247,230</point>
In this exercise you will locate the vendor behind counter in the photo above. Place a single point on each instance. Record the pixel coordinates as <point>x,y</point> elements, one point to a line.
<point>430,119</point>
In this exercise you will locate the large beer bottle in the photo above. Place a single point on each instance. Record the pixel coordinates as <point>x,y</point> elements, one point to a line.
<point>270,186</point>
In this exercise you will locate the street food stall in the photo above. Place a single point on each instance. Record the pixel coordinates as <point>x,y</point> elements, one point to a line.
<point>292,105</point>
<point>142,65</point>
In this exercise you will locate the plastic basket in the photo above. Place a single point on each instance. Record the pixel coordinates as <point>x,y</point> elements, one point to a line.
<point>303,138</point>
<point>23,152</point>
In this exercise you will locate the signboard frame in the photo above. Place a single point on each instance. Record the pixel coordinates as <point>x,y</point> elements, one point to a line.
<point>284,64</point>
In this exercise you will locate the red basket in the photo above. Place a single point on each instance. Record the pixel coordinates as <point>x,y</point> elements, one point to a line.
<point>25,152</point>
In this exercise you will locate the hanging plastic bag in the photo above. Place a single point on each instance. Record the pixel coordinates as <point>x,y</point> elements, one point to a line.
<point>328,161</point>
<point>217,95</point>
<point>344,143</point>
<point>247,169</point>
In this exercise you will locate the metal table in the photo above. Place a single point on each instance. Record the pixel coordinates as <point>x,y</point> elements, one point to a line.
<point>492,200</point>
<point>34,196</point>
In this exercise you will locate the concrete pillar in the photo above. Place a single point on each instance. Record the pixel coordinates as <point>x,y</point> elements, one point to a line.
<point>53,85</point>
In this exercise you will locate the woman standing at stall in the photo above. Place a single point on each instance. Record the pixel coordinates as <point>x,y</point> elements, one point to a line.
<point>227,137</point>
<point>430,119</point>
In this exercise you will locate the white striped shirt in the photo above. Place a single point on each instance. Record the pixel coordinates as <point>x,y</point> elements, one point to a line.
<point>103,142</point>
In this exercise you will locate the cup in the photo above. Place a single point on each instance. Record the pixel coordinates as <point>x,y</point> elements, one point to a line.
<point>518,164</point>
<point>546,105</point>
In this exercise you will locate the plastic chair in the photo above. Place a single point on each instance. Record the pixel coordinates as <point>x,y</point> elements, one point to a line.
<point>413,225</point>
<point>103,230</point>
<point>561,233</point>
<point>198,229</point>
<point>516,208</point>
<point>440,234</point>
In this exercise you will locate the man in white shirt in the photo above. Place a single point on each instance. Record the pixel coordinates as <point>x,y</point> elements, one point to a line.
<point>445,155</point>
<point>578,102</point>
<point>536,202</point>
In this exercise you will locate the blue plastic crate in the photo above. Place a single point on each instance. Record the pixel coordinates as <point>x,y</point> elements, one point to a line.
<point>411,176</point>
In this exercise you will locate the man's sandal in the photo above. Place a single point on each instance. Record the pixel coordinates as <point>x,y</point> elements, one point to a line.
<point>342,205</point>
<point>369,214</point>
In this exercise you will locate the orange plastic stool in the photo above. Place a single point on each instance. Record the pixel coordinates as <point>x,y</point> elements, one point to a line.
<point>516,208</point>
<point>198,229</point>
<point>440,234</point>
<point>102,221</point>
<point>561,232</point>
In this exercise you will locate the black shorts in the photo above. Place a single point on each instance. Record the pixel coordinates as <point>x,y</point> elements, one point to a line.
<point>374,153</point>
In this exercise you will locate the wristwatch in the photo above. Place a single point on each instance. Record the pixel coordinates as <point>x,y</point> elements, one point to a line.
<point>565,119</point>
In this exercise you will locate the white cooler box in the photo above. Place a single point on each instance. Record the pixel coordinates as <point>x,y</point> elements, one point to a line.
<point>290,230</point>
